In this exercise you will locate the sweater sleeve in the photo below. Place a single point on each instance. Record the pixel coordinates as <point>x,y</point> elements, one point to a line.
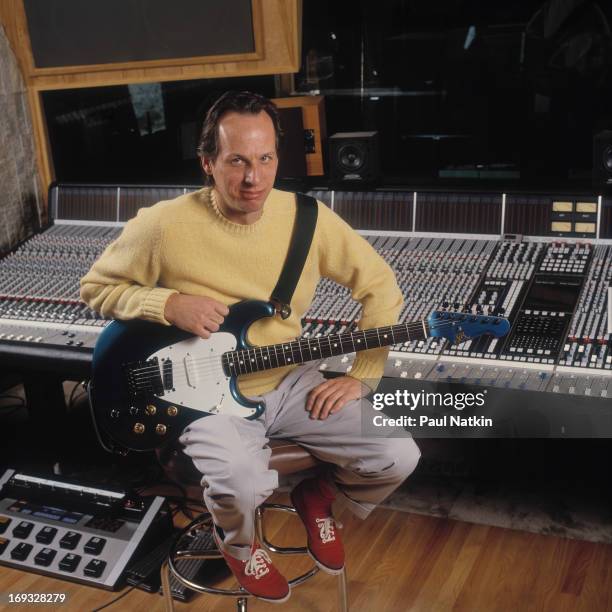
<point>350,260</point>
<point>122,283</point>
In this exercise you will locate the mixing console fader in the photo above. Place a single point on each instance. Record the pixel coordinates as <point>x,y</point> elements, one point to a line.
<point>42,318</point>
<point>539,329</point>
<point>588,343</point>
<point>432,273</point>
<point>500,293</point>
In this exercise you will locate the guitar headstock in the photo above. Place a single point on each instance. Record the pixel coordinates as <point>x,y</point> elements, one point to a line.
<point>458,327</point>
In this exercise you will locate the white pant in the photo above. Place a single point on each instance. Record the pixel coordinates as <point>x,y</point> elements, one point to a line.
<point>231,454</point>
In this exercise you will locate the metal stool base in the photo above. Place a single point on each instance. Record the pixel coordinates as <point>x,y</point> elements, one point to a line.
<point>169,567</point>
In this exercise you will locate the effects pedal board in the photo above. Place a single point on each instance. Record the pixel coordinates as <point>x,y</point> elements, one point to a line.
<point>67,530</point>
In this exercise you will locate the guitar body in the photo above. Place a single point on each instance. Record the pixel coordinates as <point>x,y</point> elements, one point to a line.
<point>185,372</point>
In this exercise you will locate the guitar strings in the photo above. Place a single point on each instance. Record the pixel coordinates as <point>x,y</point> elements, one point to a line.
<point>304,343</point>
<point>217,364</point>
<point>215,368</point>
<point>202,364</point>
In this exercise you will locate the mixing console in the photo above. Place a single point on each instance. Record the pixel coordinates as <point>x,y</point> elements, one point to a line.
<point>40,309</point>
<point>588,343</point>
<point>554,292</point>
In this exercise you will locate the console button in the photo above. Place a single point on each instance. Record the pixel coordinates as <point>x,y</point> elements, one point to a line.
<point>46,535</point>
<point>70,540</point>
<point>45,556</point>
<point>5,521</point>
<point>95,568</point>
<point>70,562</point>
<point>21,551</point>
<point>23,529</point>
<point>94,546</point>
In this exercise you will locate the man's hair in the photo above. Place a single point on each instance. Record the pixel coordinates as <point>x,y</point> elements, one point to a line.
<point>243,102</point>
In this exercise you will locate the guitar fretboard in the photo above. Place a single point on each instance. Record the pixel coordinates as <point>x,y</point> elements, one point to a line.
<point>309,349</point>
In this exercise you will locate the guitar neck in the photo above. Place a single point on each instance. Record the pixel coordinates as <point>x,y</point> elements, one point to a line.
<point>309,349</point>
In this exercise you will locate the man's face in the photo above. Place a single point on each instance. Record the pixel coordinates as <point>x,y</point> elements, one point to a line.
<point>246,164</point>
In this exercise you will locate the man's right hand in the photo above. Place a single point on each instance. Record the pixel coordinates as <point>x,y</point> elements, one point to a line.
<point>196,314</point>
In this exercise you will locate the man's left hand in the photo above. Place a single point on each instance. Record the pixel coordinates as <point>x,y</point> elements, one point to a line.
<point>330,396</point>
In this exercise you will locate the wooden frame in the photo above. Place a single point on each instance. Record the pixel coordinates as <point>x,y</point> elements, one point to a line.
<point>277,30</point>
<point>256,11</point>
<point>313,117</point>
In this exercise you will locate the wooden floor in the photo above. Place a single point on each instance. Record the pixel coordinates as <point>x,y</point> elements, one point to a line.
<point>400,562</point>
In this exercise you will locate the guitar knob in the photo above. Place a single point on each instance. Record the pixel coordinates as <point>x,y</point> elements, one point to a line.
<point>160,429</point>
<point>172,411</point>
<point>139,428</point>
<point>133,410</point>
<point>114,413</point>
<point>150,409</point>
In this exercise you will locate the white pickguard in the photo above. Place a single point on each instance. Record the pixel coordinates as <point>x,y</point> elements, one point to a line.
<point>198,377</point>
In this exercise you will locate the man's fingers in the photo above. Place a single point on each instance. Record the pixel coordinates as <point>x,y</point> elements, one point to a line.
<point>332,404</point>
<point>222,309</point>
<point>215,317</point>
<point>314,394</point>
<point>320,402</point>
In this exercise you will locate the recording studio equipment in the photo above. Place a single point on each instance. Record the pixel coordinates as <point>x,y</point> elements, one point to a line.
<point>353,158</point>
<point>43,323</point>
<point>602,157</point>
<point>73,531</point>
<point>146,573</point>
<point>552,286</point>
<point>44,326</point>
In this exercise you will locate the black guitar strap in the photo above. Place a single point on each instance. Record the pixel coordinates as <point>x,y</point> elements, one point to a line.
<point>301,239</point>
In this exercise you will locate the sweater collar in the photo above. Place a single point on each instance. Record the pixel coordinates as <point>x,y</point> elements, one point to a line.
<point>210,198</point>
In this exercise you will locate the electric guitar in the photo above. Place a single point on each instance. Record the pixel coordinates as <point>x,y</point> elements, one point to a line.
<point>150,381</point>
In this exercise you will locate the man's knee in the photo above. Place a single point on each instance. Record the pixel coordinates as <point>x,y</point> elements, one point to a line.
<point>244,483</point>
<point>408,454</point>
<point>398,458</point>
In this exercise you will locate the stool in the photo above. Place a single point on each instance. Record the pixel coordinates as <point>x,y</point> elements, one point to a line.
<point>287,458</point>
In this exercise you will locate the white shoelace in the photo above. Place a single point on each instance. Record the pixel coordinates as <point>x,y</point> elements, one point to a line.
<point>257,565</point>
<point>326,529</point>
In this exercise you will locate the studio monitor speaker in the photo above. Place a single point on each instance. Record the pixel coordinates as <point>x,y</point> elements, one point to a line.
<point>602,158</point>
<point>353,158</point>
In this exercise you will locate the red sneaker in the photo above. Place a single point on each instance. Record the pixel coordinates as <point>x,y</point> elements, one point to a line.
<point>257,576</point>
<point>312,498</point>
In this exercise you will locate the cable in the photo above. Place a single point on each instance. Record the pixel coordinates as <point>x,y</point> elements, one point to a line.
<point>113,601</point>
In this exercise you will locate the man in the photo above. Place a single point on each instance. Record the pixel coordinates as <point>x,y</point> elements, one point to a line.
<point>184,261</point>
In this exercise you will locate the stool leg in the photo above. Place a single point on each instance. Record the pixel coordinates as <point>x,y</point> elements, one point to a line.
<point>241,604</point>
<point>165,580</point>
<point>342,592</point>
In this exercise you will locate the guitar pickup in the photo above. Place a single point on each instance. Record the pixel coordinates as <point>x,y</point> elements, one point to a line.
<point>190,371</point>
<point>144,378</point>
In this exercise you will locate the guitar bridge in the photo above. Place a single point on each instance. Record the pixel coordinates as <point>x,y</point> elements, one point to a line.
<point>145,378</point>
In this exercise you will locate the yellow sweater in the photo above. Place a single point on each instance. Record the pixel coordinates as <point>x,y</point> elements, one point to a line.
<point>186,245</point>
